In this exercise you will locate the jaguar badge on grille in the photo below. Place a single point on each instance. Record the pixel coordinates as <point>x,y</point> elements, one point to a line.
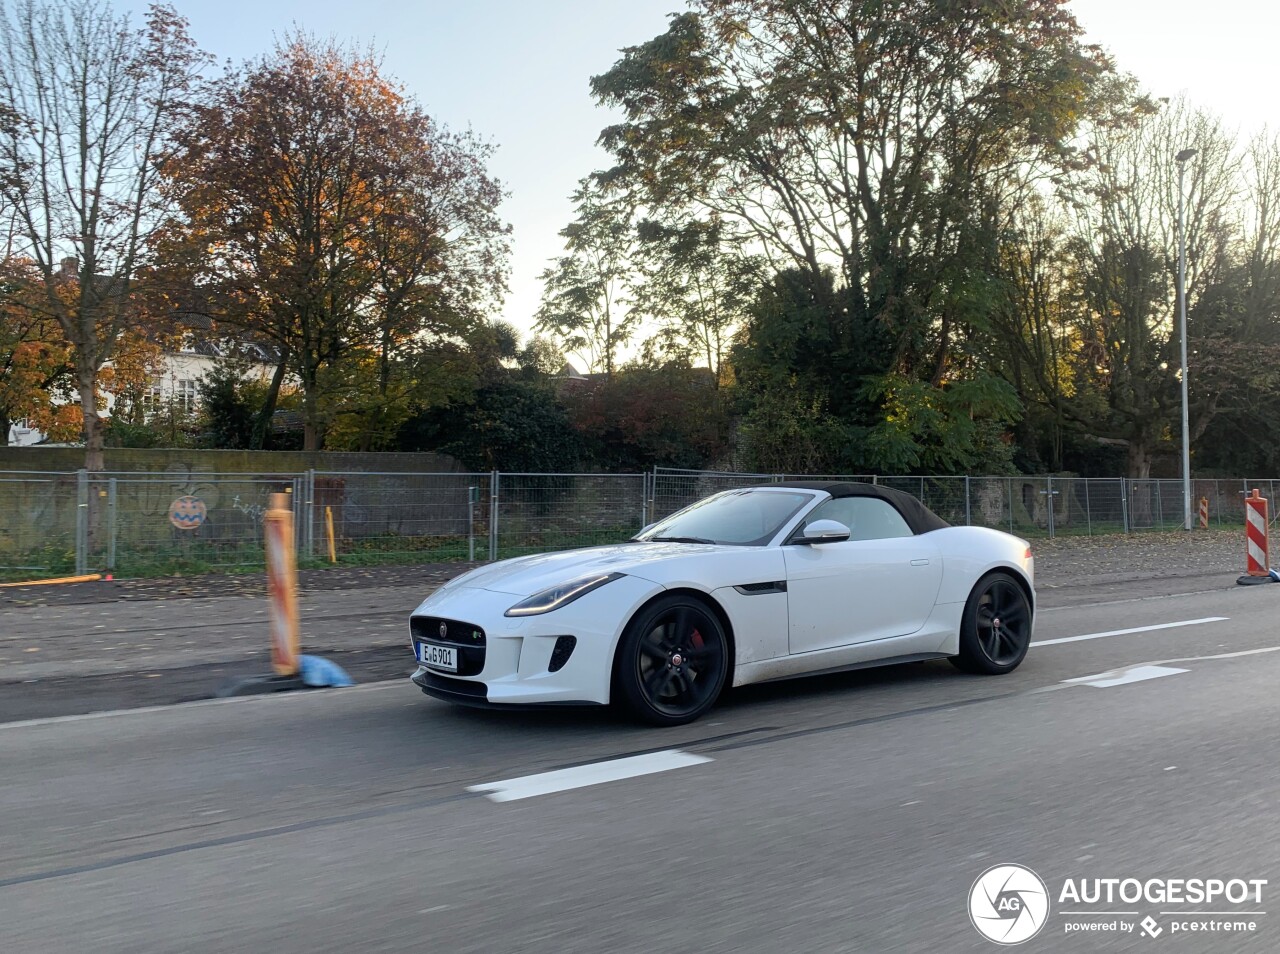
<point>444,630</point>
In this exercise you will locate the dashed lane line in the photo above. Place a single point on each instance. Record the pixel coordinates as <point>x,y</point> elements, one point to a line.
<point>1130,631</point>
<point>581,776</point>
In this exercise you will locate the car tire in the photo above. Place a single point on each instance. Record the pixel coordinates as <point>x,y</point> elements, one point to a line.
<point>995,631</point>
<point>672,662</point>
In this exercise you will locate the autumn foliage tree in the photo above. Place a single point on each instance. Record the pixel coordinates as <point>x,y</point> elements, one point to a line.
<point>327,214</point>
<point>35,362</point>
<point>88,105</point>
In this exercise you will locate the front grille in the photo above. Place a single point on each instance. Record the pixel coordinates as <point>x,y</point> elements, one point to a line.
<point>442,687</point>
<point>469,640</point>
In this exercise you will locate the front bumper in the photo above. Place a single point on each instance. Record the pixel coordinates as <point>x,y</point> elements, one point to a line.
<point>468,692</point>
<point>509,660</point>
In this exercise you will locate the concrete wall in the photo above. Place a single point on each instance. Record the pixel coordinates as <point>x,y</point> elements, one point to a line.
<point>195,461</point>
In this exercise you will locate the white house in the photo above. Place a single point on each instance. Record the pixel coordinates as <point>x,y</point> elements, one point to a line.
<point>177,384</point>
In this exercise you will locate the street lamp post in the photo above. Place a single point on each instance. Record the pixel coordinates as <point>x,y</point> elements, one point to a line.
<point>1181,159</point>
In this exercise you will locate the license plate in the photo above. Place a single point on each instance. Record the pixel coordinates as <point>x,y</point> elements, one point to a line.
<point>438,657</point>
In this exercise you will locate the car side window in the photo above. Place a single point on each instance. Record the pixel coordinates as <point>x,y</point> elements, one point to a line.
<point>868,518</point>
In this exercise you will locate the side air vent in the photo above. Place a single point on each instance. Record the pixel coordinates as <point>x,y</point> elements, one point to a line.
<point>759,589</point>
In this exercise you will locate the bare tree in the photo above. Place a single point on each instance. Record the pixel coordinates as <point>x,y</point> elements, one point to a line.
<point>87,103</point>
<point>584,306</point>
<point>1125,251</point>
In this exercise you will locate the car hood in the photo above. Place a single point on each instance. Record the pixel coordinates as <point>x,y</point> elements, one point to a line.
<point>524,576</point>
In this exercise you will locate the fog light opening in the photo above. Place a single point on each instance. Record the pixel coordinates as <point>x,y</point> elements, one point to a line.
<point>560,655</point>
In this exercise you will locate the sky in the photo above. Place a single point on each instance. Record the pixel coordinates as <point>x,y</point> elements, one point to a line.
<point>518,72</point>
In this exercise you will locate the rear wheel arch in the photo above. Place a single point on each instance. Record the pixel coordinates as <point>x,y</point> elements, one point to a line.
<point>975,655</point>
<point>1021,580</point>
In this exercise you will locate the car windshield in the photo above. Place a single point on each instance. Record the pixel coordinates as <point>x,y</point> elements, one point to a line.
<point>741,517</point>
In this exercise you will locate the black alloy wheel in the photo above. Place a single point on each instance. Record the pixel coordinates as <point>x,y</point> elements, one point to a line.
<point>673,661</point>
<point>995,631</point>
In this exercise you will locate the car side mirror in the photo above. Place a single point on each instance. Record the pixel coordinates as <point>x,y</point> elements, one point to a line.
<point>824,531</point>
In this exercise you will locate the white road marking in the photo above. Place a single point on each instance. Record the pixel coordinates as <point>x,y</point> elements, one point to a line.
<point>580,776</point>
<point>1121,677</point>
<point>1157,667</point>
<point>1126,632</point>
<point>1243,652</point>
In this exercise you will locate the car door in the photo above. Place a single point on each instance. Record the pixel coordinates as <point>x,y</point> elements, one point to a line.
<point>881,582</point>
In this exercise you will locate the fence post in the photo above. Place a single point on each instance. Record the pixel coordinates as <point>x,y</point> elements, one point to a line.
<point>1009,483</point>
<point>82,522</point>
<point>1124,502</point>
<point>111,525</point>
<point>1088,509</point>
<point>1048,496</point>
<point>311,512</point>
<point>968,509</point>
<point>493,515</point>
<point>473,495</point>
<point>1159,507</point>
<point>653,496</point>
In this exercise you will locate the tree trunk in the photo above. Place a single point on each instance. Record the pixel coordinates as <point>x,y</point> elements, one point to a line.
<point>1139,459</point>
<point>262,424</point>
<point>1140,497</point>
<point>91,427</point>
<point>379,415</point>
<point>4,428</point>
<point>312,426</point>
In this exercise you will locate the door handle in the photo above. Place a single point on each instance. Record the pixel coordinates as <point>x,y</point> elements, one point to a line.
<point>919,562</point>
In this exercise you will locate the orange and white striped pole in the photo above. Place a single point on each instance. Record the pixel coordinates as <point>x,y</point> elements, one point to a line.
<point>1204,513</point>
<point>1258,555</point>
<point>282,586</point>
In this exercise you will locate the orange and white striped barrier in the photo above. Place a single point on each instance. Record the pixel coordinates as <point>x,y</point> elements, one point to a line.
<point>1257,551</point>
<point>292,670</point>
<point>1204,513</point>
<point>282,586</point>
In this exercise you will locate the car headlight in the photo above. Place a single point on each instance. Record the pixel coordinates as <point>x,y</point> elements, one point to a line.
<point>561,595</point>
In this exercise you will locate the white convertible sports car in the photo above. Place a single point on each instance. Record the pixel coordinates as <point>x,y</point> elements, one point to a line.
<point>744,586</point>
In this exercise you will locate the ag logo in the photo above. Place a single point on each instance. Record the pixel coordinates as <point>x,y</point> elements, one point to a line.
<point>1008,904</point>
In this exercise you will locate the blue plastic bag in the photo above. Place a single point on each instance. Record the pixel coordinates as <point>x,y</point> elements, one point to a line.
<point>318,671</point>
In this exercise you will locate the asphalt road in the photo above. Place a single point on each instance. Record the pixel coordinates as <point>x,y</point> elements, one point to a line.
<point>843,813</point>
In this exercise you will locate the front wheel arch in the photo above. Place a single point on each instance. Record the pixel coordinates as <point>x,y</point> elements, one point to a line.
<point>707,601</point>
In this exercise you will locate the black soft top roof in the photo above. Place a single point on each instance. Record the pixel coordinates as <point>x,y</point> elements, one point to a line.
<point>919,517</point>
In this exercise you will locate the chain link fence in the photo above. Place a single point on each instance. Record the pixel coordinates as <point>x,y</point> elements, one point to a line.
<point>140,524</point>
<point>38,524</point>
<point>1029,506</point>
